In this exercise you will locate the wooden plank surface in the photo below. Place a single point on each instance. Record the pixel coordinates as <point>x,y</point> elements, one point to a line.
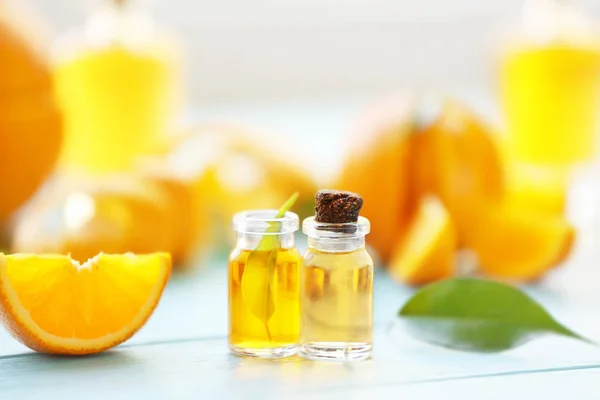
<point>182,353</point>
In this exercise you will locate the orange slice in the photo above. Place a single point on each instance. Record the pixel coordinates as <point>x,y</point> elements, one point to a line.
<point>519,245</point>
<point>113,214</point>
<point>426,253</point>
<point>186,210</point>
<point>54,304</point>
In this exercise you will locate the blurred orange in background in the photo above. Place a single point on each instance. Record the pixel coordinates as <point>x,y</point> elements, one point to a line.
<point>114,215</point>
<point>517,244</point>
<point>141,212</point>
<point>427,252</point>
<point>188,212</point>
<point>455,157</point>
<point>377,167</point>
<point>181,202</point>
<point>232,168</point>
<point>451,155</point>
<point>30,124</point>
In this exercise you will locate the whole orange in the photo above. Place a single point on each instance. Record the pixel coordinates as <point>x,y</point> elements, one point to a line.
<point>377,168</point>
<point>30,123</point>
<point>399,158</point>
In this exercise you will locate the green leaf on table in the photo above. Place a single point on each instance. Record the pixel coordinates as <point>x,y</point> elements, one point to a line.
<point>478,315</point>
<point>261,263</point>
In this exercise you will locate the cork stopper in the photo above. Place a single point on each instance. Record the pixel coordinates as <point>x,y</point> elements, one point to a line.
<point>337,207</point>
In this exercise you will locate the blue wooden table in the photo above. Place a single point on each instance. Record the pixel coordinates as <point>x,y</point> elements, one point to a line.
<point>182,351</point>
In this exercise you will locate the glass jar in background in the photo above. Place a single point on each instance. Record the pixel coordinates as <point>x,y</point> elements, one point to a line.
<point>117,82</point>
<point>550,86</point>
<point>549,81</point>
<point>336,292</point>
<point>264,306</point>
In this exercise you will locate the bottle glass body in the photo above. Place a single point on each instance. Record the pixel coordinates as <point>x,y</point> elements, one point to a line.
<point>264,301</point>
<point>117,83</point>
<point>336,292</point>
<point>550,85</point>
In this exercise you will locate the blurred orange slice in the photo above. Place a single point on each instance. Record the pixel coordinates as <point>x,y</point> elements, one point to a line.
<point>426,253</point>
<point>519,245</point>
<point>112,214</point>
<point>54,304</point>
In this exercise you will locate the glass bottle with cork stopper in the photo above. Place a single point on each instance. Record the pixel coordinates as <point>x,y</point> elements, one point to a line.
<point>264,303</point>
<point>336,281</point>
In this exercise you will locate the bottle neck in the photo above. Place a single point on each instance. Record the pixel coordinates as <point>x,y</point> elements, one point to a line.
<point>121,22</point>
<point>249,241</point>
<point>336,245</point>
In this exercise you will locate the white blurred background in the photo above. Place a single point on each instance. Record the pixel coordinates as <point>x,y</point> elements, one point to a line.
<point>244,49</point>
<point>308,67</point>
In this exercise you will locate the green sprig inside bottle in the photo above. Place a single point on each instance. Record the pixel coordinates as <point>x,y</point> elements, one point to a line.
<point>257,286</point>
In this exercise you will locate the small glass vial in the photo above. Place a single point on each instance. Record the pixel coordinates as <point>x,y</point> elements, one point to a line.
<point>264,272</point>
<point>336,292</point>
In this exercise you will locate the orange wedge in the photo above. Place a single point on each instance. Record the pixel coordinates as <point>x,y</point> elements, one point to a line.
<point>519,245</point>
<point>186,213</point>
<point>53,304</point>
<point>426,253</point>
<point>112,214</point>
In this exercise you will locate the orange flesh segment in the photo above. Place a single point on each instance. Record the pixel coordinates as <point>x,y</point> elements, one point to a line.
<point>426,253</point>
<point>54,304</point>
<point>520,245</point>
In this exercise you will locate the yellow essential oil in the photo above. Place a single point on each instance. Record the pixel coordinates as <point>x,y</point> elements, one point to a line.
<point>551,96</point>
<point>117,83</point>
<point>336,281</point>
<point>282,327</point>
<point>264,286</point>
<point>549,73</point>
<point>337,297</point>
<point>117,105</point>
